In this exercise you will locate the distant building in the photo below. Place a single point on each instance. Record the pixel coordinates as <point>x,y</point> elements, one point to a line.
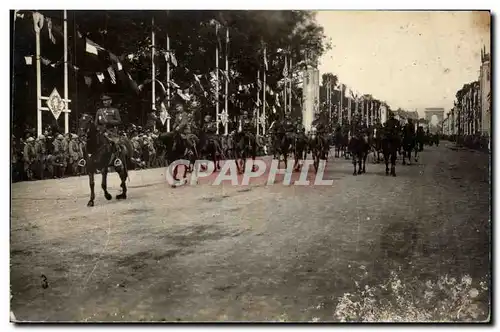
<point>485,94</point>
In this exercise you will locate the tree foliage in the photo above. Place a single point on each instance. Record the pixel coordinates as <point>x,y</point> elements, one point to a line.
<point>193,40</point>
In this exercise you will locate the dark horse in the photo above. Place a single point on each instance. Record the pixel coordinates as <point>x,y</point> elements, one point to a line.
<point>100,154</point>
<point>176,148</point>
<point>285,144</point>
<point>300,149</point>
<point>359,148</point>
<point>341,139</point>
<point>409,142</point>
<point>245,146</point>
<point>318,147</point>
<point>210,146</point>
<point>391,142</point>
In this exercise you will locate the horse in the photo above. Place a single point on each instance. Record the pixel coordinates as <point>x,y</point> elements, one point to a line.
<point>317,147</point>
<point>420,139</point>
<point>100,154</point>
<point>359,148</point>
<point>244,147</point>
<point>300,149</point>
<point>210,146</point>
<point>409,142</point>
<point>177,148</point>
<point>284,145</point>
<point>390,147</point>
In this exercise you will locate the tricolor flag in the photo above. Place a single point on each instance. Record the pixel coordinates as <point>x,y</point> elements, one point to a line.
<point>112,74</point>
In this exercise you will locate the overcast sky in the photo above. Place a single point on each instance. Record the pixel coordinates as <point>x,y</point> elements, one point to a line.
<point>411,60</point>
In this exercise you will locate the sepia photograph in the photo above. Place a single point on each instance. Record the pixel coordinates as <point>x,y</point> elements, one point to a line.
<point>276,166</point>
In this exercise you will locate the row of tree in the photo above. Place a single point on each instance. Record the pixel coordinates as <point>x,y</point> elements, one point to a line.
<point>125,37</point>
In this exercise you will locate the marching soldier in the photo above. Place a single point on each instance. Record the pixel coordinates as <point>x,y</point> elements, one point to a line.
<point>41,153</point>
<point>29,156</point>
<point>75,154</point>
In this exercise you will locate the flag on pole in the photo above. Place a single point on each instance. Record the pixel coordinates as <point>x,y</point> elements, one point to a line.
<point>88,80</point>
<point>29,60</point>
<point>100,77</point>
<point>112,74</point>
<point>173,60</point>
<point>49,28</point>
<point>91,47</point>
<point>265,59</point>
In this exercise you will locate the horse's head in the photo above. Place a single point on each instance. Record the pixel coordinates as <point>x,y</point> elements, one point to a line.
<point>86,124</point>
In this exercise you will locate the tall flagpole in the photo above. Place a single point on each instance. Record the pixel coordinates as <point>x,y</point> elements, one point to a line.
<point>38,84</point>
<point>217,76</point>
<point>286,83</point>
<point>341,111</point>
<point>168,84</point>
<point>66,114</point>
<point>226,113</point>
<point>290,72</point>
<point>258,100</point>
<point>153,69</point>
<point>264,95</point>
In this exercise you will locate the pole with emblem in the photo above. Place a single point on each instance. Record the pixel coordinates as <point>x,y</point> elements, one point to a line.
<point>224,120</point>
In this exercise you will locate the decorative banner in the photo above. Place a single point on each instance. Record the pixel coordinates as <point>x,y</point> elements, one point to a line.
<point>182,95</point>
<point>163,113</point>
<point>262,119</point>
<point>88,80</point>
<point>90,47</point>
<point>37,21</point>
<point>100,77</point>
<point>265,59</point>
<point>112,75</point>
<point>49,27</point>
<point>223,117</point>
<point>56,104</point>
<point>173,59</point>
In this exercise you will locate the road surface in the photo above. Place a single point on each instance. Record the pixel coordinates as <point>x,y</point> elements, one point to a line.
<point>252,253</point>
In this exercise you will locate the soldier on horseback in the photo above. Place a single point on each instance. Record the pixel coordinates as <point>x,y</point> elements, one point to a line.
<point>107,121</point>
<point>210,131</point>
<point>248,126</point>
<point>184,129</point>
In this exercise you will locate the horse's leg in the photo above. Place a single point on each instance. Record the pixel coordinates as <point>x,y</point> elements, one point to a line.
<point>364,162</point>
<point>354,164</point>
<point>360,162</point>
<point>393,163</point>
<point>386,160</point>
<point>91,185</point>
<point>404,155</point>
<point>104,183</point>
<point>123,177</point>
